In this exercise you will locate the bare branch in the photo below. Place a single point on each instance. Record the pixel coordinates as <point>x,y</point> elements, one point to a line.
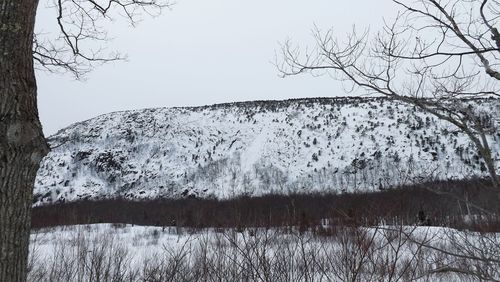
<point>79,25</point>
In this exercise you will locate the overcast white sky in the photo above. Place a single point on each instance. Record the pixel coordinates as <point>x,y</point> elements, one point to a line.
<point>202,52</point>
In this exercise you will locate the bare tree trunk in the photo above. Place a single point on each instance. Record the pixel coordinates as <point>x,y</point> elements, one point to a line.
<point>485,152</point>
<point>22,145</point>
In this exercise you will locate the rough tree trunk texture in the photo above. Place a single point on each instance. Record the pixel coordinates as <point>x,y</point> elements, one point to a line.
<point>22,145</point>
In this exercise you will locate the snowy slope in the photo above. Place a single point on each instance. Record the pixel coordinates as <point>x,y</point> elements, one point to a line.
<point>253,148</point>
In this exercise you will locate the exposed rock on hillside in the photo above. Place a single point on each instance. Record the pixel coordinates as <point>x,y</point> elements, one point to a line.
<point>252,148</point>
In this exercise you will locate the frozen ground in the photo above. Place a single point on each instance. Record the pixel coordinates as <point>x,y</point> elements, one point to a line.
<point>107,252</point>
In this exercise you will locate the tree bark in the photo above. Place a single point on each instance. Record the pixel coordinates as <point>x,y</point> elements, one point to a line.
<point>22,145</point>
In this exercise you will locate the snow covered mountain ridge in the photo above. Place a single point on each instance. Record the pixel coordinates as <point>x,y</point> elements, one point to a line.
<point>254,148</point>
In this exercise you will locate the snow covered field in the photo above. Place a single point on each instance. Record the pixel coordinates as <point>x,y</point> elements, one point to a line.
<point>106,252</point>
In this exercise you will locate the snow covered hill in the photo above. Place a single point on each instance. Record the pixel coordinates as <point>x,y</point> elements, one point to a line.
<point>253,148</point>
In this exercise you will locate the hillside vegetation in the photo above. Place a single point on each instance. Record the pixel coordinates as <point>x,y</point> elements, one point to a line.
<point>258,148</point>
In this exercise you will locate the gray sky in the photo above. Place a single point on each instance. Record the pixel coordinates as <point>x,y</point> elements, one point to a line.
<point>202,52</point>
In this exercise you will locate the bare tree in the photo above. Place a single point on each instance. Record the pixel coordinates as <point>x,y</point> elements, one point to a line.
<point>436,55</point>
<point>22,144</point>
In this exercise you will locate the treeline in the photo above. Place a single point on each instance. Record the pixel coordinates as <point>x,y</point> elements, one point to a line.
<point>460,204</point>
<point>273,105</point>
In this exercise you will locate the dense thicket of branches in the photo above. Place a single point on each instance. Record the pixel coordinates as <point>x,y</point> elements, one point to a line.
<point>107,253</point>
<point>442,203</point>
